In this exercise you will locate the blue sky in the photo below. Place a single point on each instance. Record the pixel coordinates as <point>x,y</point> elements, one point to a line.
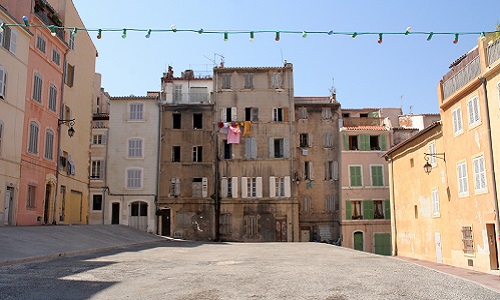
<point>365,73</point>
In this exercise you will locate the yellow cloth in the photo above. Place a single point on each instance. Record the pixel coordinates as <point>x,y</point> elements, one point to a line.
<point>246,128</point>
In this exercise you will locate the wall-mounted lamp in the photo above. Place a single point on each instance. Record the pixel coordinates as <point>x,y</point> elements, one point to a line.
<point>71,122</point>
<point>428,166</point>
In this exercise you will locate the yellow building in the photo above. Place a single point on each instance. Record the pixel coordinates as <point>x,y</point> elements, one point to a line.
<point>462,186</point>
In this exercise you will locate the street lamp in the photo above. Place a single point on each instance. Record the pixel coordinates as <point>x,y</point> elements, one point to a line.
<point>428,166</point>
<point>71,122</point>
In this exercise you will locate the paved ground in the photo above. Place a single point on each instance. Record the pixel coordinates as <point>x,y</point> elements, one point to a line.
<point>166,269</point>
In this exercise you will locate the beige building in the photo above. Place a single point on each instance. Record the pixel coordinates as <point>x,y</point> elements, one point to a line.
<point>317,155</point>
<point>366,135</point>
<point>132,162</point>
<point>14,49</point>
<point>452,215</point>
<point>98,153</point>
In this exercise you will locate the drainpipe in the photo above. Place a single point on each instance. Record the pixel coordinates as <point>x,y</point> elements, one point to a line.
<point>491,163</point>
<point>393,209</point>
<point>217,204</point>
<point>158,151</point>
<point>290,143</point>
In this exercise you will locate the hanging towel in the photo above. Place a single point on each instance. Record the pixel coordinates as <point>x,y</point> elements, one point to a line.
<point>246,127</point>
<point>233,135</point>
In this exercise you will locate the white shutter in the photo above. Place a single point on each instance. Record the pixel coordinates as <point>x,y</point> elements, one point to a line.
<point>3,81</point>
<point>311,170</point>
<point>459,119</point>
<point>272,186</point>
<point>244,187</point>
<point>288,188</point>
<point>104,139</point>
<point>482,172</point>
<point>234,186</point>
<point>259,187</point>
<point>102,169</point>
<point>234,114</point>
<point>271,148</point>
<point>223,187</point>
<point>309,140</point>
<point>204,187</point>
<point>286,148</point>
<point>177,188</point>
<point>475,105</point>
<point>475,162</point>
<point>471,111</point>
<point>223,115</point>
<point>13,41</point>
<point>335,170</point>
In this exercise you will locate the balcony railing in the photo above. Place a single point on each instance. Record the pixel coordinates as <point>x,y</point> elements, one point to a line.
<point>43,16</point>
<point>356,121</point>
<point>188,98</point>
<point>493,52</point>
<point>469,72</point>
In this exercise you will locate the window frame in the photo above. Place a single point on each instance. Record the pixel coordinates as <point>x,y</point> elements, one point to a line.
<point>41,43</point>
<point>373,179</point>
<point>136,112</point>
<point>198,153</point>
<point>31,196</point>
<point>360,175</point>
<point>176,153</point>
<point>97,169</point>
<point>56,56</point>
<point>435,203</point>
<point>135,148</point>
<point>134,178</point>
<point>3,82</point>
<point>467,240</point>
<point>97,205</point>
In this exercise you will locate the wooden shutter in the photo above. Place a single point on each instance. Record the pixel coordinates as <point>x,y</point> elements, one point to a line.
<point>3,82</point>
<point>234,187</point>
<point>259,187</point>
<point>368,212</point>
<point>244,187</point>
<point>254,148</point>
<point>271,147</point>
<point>309,139</point>
<point>272,186</point>
<point>102,169</point>
<point>254,114</point>
<point>223,187</point>
<point>286,116</point>
<point>234,114</point>
<point>364,142</point>
<point>13,41</point>
<point>177,187</point>
<point>223,115</point>
<point>348,210</point>
<point>387,209</point>
<point>335,170</point>
<point>346,141</point>
<point>204,187</point>
<point>286,148</point>
<point>288,187</point>
<point>248,148</point>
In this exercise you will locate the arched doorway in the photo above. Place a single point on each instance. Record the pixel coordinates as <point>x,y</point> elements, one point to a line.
<point>358,241</point>
<point>139,215</point>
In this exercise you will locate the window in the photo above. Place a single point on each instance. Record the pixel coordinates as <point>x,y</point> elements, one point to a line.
<point>302,113</point>
<point>356,210</point>
<point>305,204</point>
<point>96,202</point>
<point>467,240</point>
<point>31,201</point>
<point>326,113</point>
<point>457,121</point>
<point>279,148</point>
<point>177,93</point>
<point>308,170</point>
<point>250,148</point>
<point>251,114</point>
<point>37,88</point>
<point>69,74</point>
<point>248,81</point>
<point>228,150</point>
<point>33,138</point>
<point>1,136</point>
<point>328,140</point>
<point>138,209</point>
<point>279,114</point>
<point>279,187</point>
<point>377,175</point>
<point>134,178</point>
<point>229,114</point>
<point>56,56</point>
<point>176,153</point>
<point>3,82</point>
<point>435,203</point>
<point>473,109</point>
<point>365,142</point>
<point>135,148</point>
<point>378,209</point>
<point>229,187</point>
<point>71,41</point>
<point>346,115</point>
<point>355,176</point>
<point>432,152</point>
<point>98,139</point>
<point>98,124</point>
<point>136,111</point>
<point>199,187</point>
<point>463,188</point>
<point>252,226</point>
<point>49,144</point>
<point>329,203</point>
<point>41,43</point>
<point>197,121</point>
<point>53,98</point>
<point>8,39</point>
<point>63,159</point>
<point>479,174</point>
<point>226,81</point>
<point>176,121</point>
<point>225,223</point>
<point>331,170</point>
<point>197,153</point>
<point>305,140</point>
<point>175,187</point>
<point>97,170</point>
<point>251,187</point>
<point>276,81</point>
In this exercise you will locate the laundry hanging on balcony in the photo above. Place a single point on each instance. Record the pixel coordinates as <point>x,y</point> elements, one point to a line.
<point>233,135</point>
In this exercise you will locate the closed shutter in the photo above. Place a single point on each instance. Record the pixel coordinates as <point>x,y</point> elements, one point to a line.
<point>254,114</point>
<point>286,148</point>
<point>234,187</point>
<point>223,115</point>
<point>104,139</point>
<point>244,187</point>
<point>248,148</point>
<point>309,140</point>
<point>271,147</point>
<point>364,142</point>
<point>335,170</point>
<point>3,81</point>
<point>223,187</point>
<point>368,212</point>
<point>382,142</point>
<point>101,169</point>
<point>254,148</point>
<point>204,187</point>
<point>387,209</point>
<point>288,187</point>
<point>177,187</point>
<point>346,141</point>
<point>348,210</point>
<point>459,119</point>
<point>285,114</point>
<point>13,41</point>
<point>234,114</point>
<point>272,186</point>
<point>259,187</point>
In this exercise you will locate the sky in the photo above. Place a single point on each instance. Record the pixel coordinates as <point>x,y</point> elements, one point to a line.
<point>402,71</point>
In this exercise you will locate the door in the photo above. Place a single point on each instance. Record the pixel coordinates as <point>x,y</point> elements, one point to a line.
<point>165,222</point>
<point>305,235</point>
<point>383,243</point>
<point>46,205</point>
<point>492,243</point>
<point>115,213</point>
<point>138,217</point>
<point>358,241</point>
<point>439,249</point>
<point>7,213</point>
<point>280,230</point>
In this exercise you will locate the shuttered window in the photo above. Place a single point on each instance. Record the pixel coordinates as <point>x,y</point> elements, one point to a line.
<point>463,186</point>
<point>355,176</point>
<point>33,138</point>
<point>37,88</point>
<point>457,121</point>
<point>377,175</point>
<point>479,174</point>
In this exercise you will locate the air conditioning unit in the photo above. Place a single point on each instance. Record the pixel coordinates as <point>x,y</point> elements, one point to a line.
<point>305,151</point>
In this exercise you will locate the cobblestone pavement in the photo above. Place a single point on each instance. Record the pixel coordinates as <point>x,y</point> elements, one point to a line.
<point>192,270</point>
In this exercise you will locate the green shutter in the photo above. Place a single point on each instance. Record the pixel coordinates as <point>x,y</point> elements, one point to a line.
<point>346,141</point>
<point>383,243</point>
<point>348,210</point>
<point>373,114</point>
<point>368,213</point>
<point>387,209</point>
<point>364,142</point>
<point>355,174</point>
<point>382,142</point>
<point>377,176</point>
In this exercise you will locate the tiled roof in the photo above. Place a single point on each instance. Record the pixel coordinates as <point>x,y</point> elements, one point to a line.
<point>412,138</point>
<point>371,128</point>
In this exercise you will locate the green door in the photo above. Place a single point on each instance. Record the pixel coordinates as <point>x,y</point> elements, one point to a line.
<point>358,241</point>
<point>383,243</point>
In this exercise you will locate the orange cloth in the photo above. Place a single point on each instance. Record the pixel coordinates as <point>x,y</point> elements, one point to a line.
<point>246,128</point>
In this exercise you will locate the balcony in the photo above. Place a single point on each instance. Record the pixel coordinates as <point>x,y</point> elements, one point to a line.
<point>463,70</point>
<point>188,98</point>
<point>493,52</point>
<point>49,17</point>
<point>357,121</point>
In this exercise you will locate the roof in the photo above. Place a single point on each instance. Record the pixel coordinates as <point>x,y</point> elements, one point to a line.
<point>132,97</point>
<point>364,128</point>
<point>313,100</point>
<point>412,138</point>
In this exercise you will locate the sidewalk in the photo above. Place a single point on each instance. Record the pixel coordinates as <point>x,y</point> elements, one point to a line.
<point>488,280</point>
<point>30,243</point>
